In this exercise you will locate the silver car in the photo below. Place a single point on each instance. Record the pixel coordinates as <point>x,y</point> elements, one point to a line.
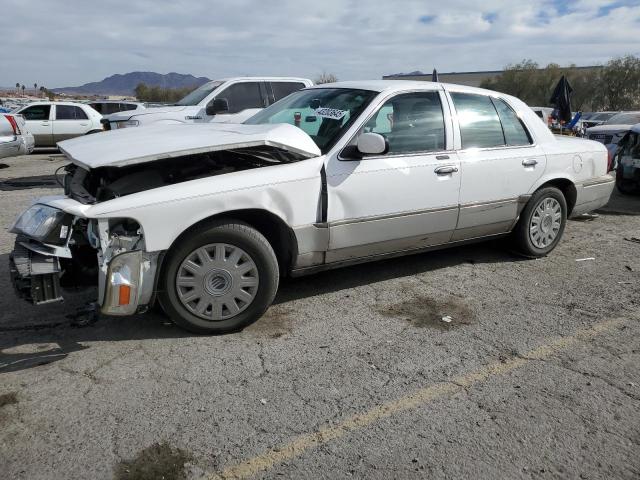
<point>15,138</point>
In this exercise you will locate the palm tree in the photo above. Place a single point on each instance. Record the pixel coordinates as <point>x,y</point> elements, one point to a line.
<point>23,87</point>
<point>35,89</point>
<point>42,90</point>
<point>17,88</point>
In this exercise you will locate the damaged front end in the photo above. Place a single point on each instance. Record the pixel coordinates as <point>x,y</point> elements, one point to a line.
<point>56,251</point>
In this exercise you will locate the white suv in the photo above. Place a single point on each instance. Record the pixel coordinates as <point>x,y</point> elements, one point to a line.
<point>51,122</point>
<point>231,100</point>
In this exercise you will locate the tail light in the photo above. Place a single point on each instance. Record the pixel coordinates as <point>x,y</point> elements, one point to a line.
<point>14,124</point>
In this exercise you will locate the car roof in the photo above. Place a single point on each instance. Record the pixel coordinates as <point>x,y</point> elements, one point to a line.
<point>78,104</point>
<point>402,85</point>
<point>636,128</point>
<point>113,101</point>
<point>267,79</point>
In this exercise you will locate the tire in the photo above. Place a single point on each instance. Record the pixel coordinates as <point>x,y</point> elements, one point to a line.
<point>547,211</point>
<point>219,278</point>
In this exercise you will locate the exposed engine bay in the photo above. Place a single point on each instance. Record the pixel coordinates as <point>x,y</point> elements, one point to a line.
<point>106,183</point>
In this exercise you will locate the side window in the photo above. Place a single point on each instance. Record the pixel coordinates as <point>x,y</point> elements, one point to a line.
<point>411,122</point>
<point>125,107</point>
<point>70,112</point>
<point>242,96</point>
<point>282,89</point>
<point>97,107</point>
<point>37,112</point>
<point>514,132</point>
<point>479,123</point>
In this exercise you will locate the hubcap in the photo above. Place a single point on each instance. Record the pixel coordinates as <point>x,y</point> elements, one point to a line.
<point>217,281</point>
<point>545,222</point>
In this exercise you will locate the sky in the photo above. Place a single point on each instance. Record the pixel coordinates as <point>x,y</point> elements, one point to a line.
<point>59,43</point>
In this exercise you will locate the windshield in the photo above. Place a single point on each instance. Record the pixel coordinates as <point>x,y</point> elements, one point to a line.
<point>624,119</point>
<point>322,113</point>
<point>200,93</point>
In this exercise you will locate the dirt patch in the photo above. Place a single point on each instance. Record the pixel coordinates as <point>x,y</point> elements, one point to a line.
<point>160,461</point>
<point>420,311</point>
<point>276,322</point>
<point>10,398</point>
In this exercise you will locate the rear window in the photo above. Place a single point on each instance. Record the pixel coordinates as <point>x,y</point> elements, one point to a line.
<point>479,122</point>
<point>282,89</point>
<point>624,119</point>
<point>70,112</point>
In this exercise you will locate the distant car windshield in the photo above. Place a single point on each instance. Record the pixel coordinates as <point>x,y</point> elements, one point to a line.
<point>200,93</point>
<point>322,113</point>
<point>624,119</point>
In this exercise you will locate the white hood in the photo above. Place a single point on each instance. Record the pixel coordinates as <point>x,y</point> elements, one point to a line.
<point>127,114</point>
<point>131,146</point>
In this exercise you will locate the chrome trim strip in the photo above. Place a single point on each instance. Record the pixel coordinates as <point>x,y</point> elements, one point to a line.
<point>389,216</point>
<point>597,181</point>
<point>488,204</point>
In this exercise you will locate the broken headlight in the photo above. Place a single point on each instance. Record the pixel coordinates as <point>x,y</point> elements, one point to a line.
<point>45,224</point>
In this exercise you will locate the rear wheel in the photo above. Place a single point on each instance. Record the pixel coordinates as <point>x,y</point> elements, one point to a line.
<point>220,278</point>
<point>541,223</point>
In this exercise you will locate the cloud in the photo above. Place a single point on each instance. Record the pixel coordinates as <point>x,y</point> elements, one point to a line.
<point>70,43</point>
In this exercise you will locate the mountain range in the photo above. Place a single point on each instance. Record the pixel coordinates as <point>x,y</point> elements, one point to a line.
<point>124,84</point>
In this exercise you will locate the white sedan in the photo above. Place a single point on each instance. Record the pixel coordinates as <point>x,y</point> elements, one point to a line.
<point>206,218</point>
<point>52,122</point>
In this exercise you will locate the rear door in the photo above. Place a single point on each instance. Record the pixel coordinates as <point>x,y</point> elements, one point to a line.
<point>38,120</point>
<point>70,121</point>
<point>499,163</point>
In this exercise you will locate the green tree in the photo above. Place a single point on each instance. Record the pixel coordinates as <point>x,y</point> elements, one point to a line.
<point>154,93</point>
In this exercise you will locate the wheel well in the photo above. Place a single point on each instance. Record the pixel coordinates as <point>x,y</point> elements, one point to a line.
<point>275,230</point>
<point>567,188</point>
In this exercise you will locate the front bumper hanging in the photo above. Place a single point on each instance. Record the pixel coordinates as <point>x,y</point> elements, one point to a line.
<point>35,277</point>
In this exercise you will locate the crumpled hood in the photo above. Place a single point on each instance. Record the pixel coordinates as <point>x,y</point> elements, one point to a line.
<point>130,146</point>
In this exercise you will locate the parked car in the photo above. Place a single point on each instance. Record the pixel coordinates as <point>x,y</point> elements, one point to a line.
<point>627,161</point>
<point>51,122</point>
<point>611,131</point>
<point>107,107</point>
<point>15,137</point>
<point>207,218</point>
<point>597,118</point>
<point>231,100</point>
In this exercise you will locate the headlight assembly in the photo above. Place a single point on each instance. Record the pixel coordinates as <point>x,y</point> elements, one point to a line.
<point>45,224</point>
<point>126,124</point>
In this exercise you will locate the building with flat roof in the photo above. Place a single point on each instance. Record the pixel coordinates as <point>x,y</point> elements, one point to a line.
<point>471,79</point>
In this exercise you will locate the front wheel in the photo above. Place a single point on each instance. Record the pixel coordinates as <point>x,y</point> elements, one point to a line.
<point>541,223</point>
<point>219,279</point>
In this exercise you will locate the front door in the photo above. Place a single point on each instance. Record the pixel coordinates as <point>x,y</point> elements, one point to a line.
<point>70,122</point>
<point>245,99</point>
<point>499,163</point>
<point>38,120</point>
<point>405,199</point>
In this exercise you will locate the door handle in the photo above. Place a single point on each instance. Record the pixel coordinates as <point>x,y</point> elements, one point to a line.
<point>84,124</point>
<point>446,170</point>
<point>45,124</point>
<point>529,162</point>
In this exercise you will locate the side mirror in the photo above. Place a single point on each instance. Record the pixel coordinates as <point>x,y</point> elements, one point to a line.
<point>372,144</point>
<point>218,105</point>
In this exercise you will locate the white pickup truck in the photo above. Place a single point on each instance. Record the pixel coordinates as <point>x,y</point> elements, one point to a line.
<point>229,100</point>
<point>206,218</point>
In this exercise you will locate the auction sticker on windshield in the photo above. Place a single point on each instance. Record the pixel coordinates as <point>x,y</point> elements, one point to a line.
<point>332,113</point>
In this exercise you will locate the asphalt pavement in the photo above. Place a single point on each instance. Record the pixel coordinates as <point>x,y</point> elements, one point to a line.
<point>352,373</point>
